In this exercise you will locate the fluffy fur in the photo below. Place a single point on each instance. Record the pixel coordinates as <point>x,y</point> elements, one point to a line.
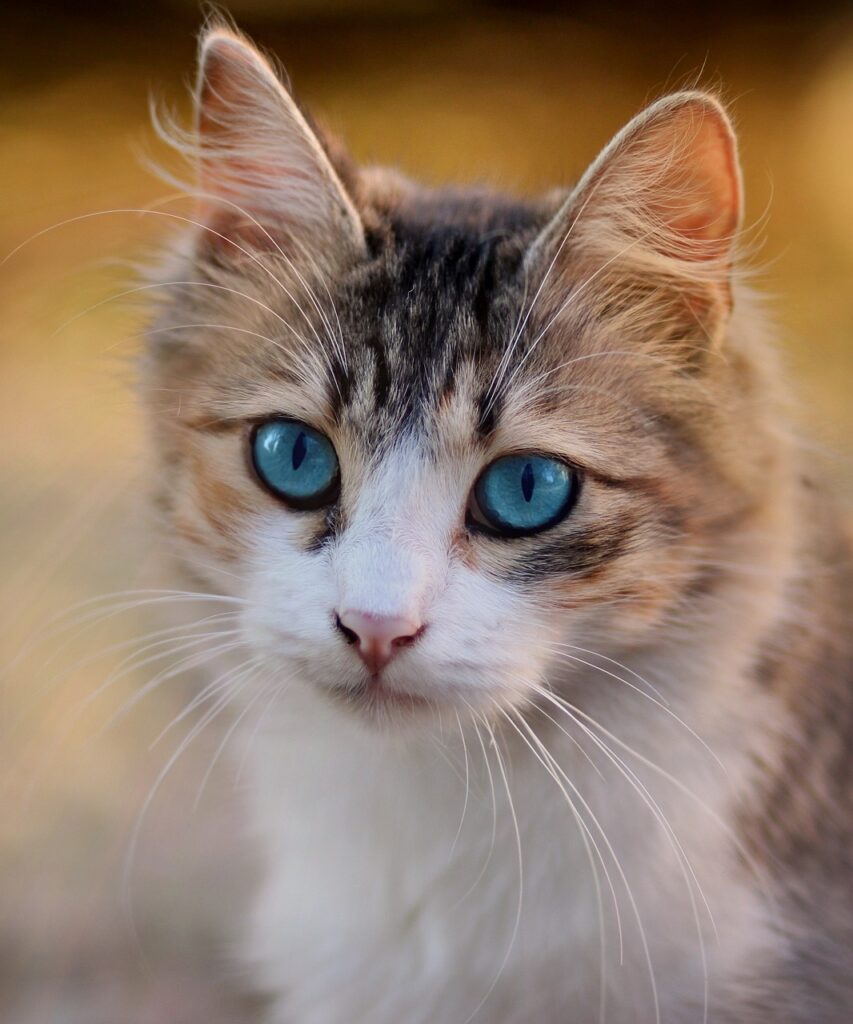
<point>611,780</point>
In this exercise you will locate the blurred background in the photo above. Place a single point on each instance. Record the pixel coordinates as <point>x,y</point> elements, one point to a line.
<point>518,96</point>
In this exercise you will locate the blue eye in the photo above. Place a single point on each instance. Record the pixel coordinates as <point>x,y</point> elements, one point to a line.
<point>523,494</point>
<point>296,462</point>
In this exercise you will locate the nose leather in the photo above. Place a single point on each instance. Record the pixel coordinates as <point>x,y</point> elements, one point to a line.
<point>377,638</point>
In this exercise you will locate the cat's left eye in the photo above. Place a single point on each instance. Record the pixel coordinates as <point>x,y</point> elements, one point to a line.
<point>523,494</point>
<point>296,462</point>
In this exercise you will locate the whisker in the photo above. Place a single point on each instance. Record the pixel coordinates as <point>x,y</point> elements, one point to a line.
<point>467,785</point>
<point>624,879</point>
<point>250,679</point>
<point>161,285</point>
<point>727,829</point>
<point>685,865</point>
<point>136,832</point>
<point>532,384</point>
<point>254,733</point>
<point>573,297</point>
<point>667,710</point>
<point>487,861</point>
<point>224,201</point>
<point>172,635</point>
<point>149,332</point>
<point>207,228</point>
<point>625,668</point>
<point>517,923</point>
<point>221,682</point>
<point>589,844</point>
<point>500,373</point>
<point>556,772</point>
<point>142,598</point>
<point>46,760</point>
<point>206,653</point>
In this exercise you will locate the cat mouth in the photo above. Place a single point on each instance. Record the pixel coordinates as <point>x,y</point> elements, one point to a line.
<point>375,696</point>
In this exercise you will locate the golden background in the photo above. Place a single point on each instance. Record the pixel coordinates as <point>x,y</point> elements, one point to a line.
<point>520,97</point>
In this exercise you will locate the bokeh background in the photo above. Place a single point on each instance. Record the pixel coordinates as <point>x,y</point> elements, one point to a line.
<point>520,96</point>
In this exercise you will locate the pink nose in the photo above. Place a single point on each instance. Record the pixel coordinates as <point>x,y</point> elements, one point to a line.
<point>377,638</point>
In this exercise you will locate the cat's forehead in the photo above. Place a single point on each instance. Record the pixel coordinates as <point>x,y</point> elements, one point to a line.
<point>428,317</point>
<point>432,332</point>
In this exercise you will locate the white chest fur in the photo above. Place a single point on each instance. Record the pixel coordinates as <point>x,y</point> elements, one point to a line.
<point>384,904</point>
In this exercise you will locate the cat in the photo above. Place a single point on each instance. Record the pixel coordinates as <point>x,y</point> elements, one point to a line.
<point>543,614</point>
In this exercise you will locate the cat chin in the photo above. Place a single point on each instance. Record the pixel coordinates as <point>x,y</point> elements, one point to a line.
<point>385,706</point>
<point>380,703</point>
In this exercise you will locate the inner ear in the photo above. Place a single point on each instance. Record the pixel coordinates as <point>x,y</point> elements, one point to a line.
<point>670,179</point>
<point>695,192</point>
<point>262,169</point>
<point>651,227</point>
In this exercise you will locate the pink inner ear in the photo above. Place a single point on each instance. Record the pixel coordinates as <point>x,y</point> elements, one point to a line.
<point>704,181</point>
<point>257,153</point>
<point>231,95</point>
<point>229,77</point>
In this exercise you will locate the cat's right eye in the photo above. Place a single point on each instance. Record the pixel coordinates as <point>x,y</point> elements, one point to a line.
<point>296,463</point>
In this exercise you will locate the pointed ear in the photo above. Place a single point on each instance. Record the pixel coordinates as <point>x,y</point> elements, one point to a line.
<point>659,210</point>
<point>259,160</point>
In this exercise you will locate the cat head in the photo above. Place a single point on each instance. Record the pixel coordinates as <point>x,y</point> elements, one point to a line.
<point>437,442</point>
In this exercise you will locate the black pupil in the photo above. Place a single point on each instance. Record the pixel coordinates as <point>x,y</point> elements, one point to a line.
<point>528,482</point>
<point>300,450</point>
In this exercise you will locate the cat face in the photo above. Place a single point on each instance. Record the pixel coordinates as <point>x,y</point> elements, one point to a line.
<point>439,443</point>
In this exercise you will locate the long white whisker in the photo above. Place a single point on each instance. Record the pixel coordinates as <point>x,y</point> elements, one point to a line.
<point>517,922</point>
<point>222,682</point>
<point>572,297</point>
<point>493,792</point>
<point>185,663</point>
<point>130,856</point>
<point>618,664</point>
<point>150,332</point>
<point>618,865</point>
<point>589,844</point>
<point>160,286</point>
<point>467,785</point>
<point>209,230</point>
<point>685,866</point>
<point>55,626</point>
<point>632,686</point>
<point>276,691</point>
<point>519,328</point>
<point>172,636</point>
<point>223,201</point>
<point>247,680</point>
<point>728,831</point>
